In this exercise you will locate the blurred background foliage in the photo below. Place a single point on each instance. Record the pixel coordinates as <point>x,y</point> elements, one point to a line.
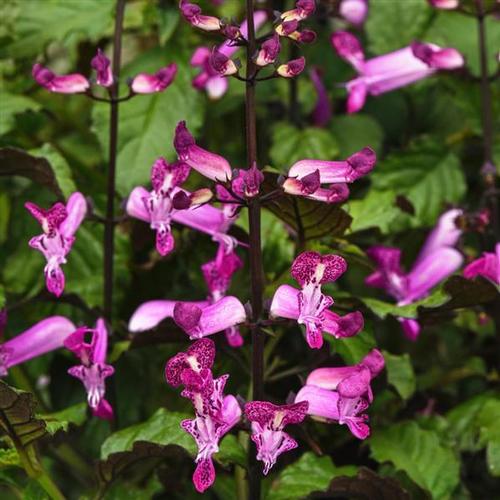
<point>435,417</point>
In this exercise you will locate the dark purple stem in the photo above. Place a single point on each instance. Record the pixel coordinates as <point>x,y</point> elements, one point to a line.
<point>255,250</point>
<point>109,226</point>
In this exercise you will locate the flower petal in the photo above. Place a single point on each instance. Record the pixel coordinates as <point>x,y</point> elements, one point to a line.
<point>135,204</point>
<point>322,402</point>
<point>76,209</point>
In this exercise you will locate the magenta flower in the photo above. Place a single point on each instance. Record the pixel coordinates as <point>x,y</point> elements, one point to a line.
<point>444,4</point>
<point>303,9</point>
<point>343,394</point>
<point>393,70</point>
<point>43,337</point>
<point>354,11</point>
<point>208,79</point>
<point>59,225</point>
<point>306,176</point>
<point>61,84</point>
<point>102,66</point>
<point>268,421</point>
<point>289,29</point>
<point>269,51</point>
<point>309,306</point>
<point>215,413</point>
<point>144,83</point>
<point>193,15</point>
<point>209,164</point>
<point>436,261</point>
<point>93,369</point>
<point>221,64</point>
<point>246,183</point>
<point>292,68</point>
<point>487,266</point>
<point>322,113</point>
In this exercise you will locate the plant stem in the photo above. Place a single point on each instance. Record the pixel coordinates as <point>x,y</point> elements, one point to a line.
<point>109,226</point>
<point>255,250</point>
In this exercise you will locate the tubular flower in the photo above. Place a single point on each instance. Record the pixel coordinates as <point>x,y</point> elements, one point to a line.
<point>215,413</point>
<point>61,84</point>
<point>269,51</point>
<point>306,176</point>
<point>102,66</point>
<point>292,68</point>
<point>93,369</point>
<point>343,394</point>
<point>309,306</point>
<point>393,70</point>
<point>144,83</point>
<point>268,421</point>
<point>59,224</point>
<point>322,113</point>
<point>487,266</point>
<point>43,337</point>
<point>210,80</point>
<point>221,64</point>
<point>354,11</point>
<point>303,9</point>
<point>436,261</point>
<point>209,164</point>
<point>192,14</point>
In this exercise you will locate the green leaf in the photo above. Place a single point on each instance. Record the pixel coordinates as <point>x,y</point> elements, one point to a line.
<point>392,25</point>
<point>9,458</point>
<point>12,105</point>
<point>290,144</point>
<point>354,132</point>
<point>147,122</point>
<point>427,174</point>
<point>400,373</point>
<point>490,433</point>
<point>420,454</point>
<point>2,296</point>
<point>61,420</point>
<point>66,22</point>
<point>353,349</point>
<point>309,473</point>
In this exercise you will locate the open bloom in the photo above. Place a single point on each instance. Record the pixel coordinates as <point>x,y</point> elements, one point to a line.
<point>305,177</point>
<point>436,261</point>
<point>61,84</point>
<point>215,413</point>
<point>209,164</point>
<point>144,83</point>
<point>93,369</point>
<point>44,336</point>
<point>210,80</point>
<point>390,71</point>
<point>487,266</point>
<point>322,112</point>
<point>59,224</point>
<point>309,306</point>
<point>268,421</point>
<point>343,394</point>
<point>354,11</point>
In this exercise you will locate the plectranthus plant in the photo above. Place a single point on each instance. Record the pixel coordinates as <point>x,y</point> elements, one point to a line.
<point>237,208</point>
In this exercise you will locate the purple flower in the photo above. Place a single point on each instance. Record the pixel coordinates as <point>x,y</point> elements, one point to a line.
<point>221,64</point>
<point>444,4</point>
<point>93,369</point>
<point>308,306</point>
<point>487,266</point>
<point>322,113</point>
<point>343,394</point>
<point>208,79</point>
<point>209,164</point>
<point>102,65</point>
<point>59,225</point>
<point>247,182</point>
<point>289,29</point>
<point>436,261</point>
<point>62,84</point>
<point>306,176</point>
<point>269,51</point>
<point>292,68</point>
<point>45,336</point>
<point>268,421</point>
<point>192,14</point>
<point>393,70</point>
<point>354,11</point>
<point>144,83</point>
<point>215,413</point>
<point>303,9</point>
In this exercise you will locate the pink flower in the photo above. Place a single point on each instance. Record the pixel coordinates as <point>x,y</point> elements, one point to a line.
<point>93,369</point>
<point>354,11</point>
<point>269,51</point>
<point>436,261</point>
<point>145,83</point>
<point>193,15</point>
<point>309,306</point>
<point>43,337</point>
<point>444,4</point>
<point>59,225</point>
<point>289,29</point>
<point>322,113</point>
<point>303,9</point>
<point>393,70</point>
<point>102,65</point>
<point>343,394</point>
<point>292,68</point>
<point>305,177</point>
<point>268,421</point>
<point>487,266</point>
<point>61,84</point>
<point>221,64</point>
